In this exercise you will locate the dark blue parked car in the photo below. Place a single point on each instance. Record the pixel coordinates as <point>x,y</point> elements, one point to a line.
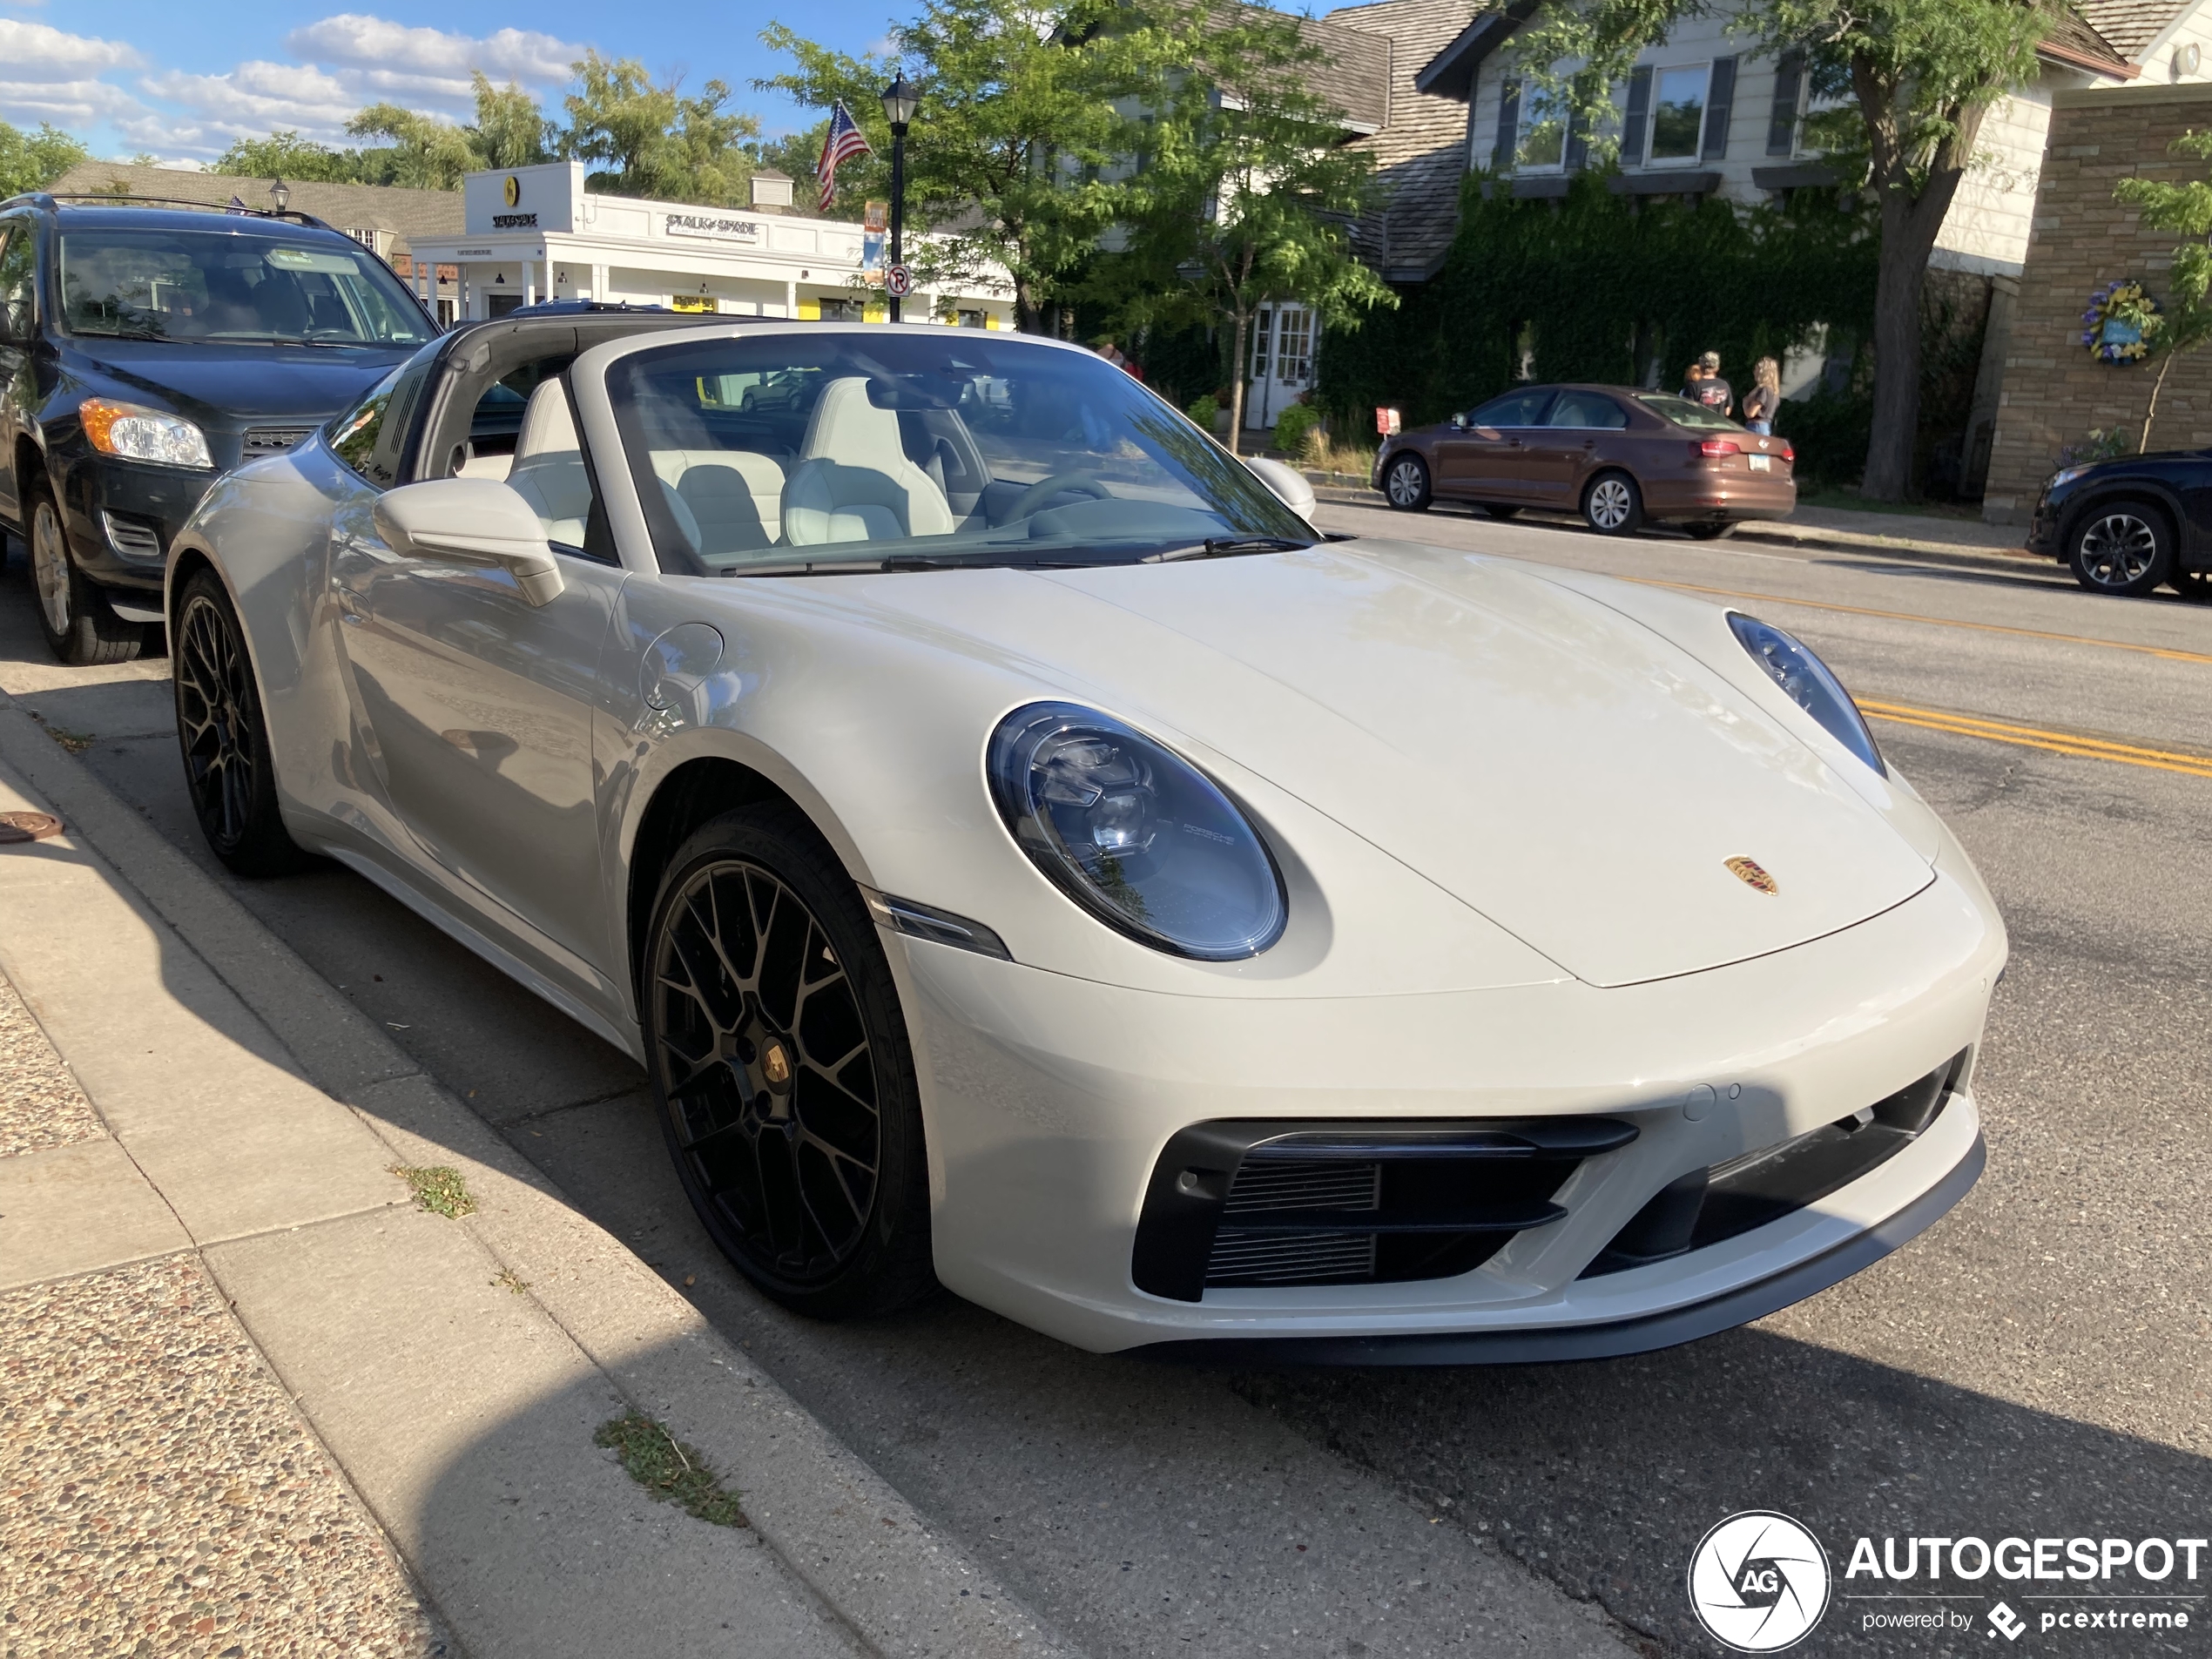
<point>146,350</point>
<point>2126,526</point>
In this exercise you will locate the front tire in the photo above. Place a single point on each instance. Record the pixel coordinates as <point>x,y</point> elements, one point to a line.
<point>1406,483</point>
<point>81,630</point>
<point>2122,548</point>
<point>229,770</point>
<point>1612,505</point>
<point>782,1070</point>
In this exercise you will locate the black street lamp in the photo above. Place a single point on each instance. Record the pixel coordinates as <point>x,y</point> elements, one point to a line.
<point>280,193</point>
<point>901,99</point>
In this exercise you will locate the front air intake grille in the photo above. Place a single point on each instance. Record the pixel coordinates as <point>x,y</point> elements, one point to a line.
<point>271,441</point>
<point>131,538</point>
<point>1282,1204</point>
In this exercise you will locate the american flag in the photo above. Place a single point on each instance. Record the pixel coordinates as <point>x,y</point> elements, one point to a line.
<point>844,143</point>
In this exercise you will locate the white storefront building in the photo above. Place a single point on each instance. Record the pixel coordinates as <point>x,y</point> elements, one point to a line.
<point>534,234</point>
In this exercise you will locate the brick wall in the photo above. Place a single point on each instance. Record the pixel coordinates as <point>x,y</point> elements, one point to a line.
<point>2054,392</point>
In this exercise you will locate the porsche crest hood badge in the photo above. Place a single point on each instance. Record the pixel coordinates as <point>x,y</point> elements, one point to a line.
<point>1750,872</point>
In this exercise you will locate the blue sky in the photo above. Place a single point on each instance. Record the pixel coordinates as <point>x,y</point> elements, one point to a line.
<point>182,80</point>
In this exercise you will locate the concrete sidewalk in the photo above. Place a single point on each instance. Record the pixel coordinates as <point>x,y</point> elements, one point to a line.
<point>257,1397</point>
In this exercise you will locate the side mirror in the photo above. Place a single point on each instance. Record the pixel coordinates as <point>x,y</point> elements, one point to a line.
<point>1287,484</point>
<point>1458,424</point>
<point>471,521</point>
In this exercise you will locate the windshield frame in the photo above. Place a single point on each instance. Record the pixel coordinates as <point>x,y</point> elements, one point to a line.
<point>1190,461</point>
<point>368,268</point>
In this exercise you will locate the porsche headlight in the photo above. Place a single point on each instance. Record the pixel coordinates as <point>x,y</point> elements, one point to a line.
<point>1810,684</point>
<point>137,433</point>
<point>1135,834</point>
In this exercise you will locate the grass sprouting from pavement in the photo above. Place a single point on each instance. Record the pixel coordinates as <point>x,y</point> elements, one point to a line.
<point>672,1473</point>
<point>439,1190</point>
<point>76,742</point>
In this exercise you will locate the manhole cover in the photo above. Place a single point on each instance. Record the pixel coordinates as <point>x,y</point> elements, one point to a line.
<point>27,827</point>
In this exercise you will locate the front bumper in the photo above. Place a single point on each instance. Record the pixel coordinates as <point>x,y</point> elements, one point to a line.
<point>1050,1101</point>
<point>120,515</point>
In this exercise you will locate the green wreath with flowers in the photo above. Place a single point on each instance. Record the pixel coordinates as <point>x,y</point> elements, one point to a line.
<point>2121,319</point>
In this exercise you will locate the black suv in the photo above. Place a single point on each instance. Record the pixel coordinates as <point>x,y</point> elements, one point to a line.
<point>144,351</point>
<point>2128,525</point>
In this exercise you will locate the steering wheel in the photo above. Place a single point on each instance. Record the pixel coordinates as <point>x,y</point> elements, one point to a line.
<point>1077,483</point>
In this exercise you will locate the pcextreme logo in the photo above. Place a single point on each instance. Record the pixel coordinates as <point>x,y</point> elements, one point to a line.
<point>1759,1581</point>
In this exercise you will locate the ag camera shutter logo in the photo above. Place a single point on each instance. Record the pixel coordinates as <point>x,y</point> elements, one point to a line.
<point>1759,1581</point>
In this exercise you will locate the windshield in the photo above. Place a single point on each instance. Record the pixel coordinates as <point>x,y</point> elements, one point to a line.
<point>792,453</point>
<point>225,286</point>
<point>1682,412</point>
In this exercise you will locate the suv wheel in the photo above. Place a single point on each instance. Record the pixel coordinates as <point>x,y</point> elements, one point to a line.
<point>2121,547</point>
<point>80,627</point>
<point>1406,483</point>
<point>1613,505</point>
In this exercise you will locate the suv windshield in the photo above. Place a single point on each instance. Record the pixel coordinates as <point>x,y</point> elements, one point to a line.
<point>793,452</point>
<point>234,287</point>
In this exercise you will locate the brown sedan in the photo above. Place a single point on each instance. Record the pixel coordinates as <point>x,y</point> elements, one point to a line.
<point>1620,457</point>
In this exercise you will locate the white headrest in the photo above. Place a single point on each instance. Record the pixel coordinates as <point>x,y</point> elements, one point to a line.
<point>846,428</point>
<point>548,427</point>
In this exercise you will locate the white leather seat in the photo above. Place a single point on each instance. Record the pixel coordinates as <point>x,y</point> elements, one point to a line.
<point>854,482</point>
<point>736,495</point>
<point>549,470</point>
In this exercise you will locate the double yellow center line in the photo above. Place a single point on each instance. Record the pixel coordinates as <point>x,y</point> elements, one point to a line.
<point>2028,737</point>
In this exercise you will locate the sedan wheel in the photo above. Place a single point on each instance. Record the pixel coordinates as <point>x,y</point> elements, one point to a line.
<point>225,742</point>
<point>780,1062</point>
<point>2122,548</point>
<point>1613,505</point>
<point>1406,484</point>
<point>80,627</point>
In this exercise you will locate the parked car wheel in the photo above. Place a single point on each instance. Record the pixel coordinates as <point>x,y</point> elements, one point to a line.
<point>1709,531</point>
<point>2122,548</point>
<point>780,1062</point>
<point>1406,483</point>
<point>81,628</point>
<point>1501,509</point>
<point>229,772</point>
<point>1612,505</point>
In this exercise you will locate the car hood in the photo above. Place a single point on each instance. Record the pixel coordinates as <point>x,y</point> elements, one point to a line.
<point>218,385</point>
<point>1561,768</point>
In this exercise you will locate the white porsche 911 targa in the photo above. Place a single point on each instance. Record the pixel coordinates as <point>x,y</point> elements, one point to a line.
<point>1028,857</point>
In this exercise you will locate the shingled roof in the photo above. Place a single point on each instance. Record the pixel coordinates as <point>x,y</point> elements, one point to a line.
<point>2129,26</point>
<point>402,213</point>
<point>1421,153</point>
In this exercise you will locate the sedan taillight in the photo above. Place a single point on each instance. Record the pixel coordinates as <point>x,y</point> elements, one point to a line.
<point>1789,450</point>
<point>1714,449</point>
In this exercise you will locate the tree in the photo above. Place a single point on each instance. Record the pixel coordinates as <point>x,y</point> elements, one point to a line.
<point>2186,323</point>
<point>660,143</point>
<point>285,154</point>
<point>1020,126</point>
<point>1920,76</point>
<point>421,153</point>
<point>1239,196</point>
<point>34,160</point>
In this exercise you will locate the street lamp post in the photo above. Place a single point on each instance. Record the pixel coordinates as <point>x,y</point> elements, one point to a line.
<point>280,193</point>
<point>901,99</point>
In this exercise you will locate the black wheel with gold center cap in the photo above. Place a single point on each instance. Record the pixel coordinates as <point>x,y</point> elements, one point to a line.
<point>781,1064</point>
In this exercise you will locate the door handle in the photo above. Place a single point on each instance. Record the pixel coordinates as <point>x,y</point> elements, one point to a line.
<point>1589,443</point>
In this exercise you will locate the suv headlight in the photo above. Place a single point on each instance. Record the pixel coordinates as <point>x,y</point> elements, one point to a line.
<point>1810,684</point>
<point>1135,834</point>
<point>2063,476</point>
<point>138,433</point>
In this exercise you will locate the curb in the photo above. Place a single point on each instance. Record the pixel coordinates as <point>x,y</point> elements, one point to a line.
<point>1781,533</point>
<point>833,1523</point>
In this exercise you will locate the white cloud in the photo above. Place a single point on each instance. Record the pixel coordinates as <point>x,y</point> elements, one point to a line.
<point>356,41</point>
<point>73,105</point>
<point>258,97</point>
<point>41,46</point>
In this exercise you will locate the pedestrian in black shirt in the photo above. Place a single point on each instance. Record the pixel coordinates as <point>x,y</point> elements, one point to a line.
<point>1713,392</point>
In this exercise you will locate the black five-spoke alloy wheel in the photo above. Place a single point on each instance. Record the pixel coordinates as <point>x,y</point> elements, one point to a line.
<point>1406,483</point>
<point>225,742</point>
<point>782,1068</point>
<point>2122,548</point>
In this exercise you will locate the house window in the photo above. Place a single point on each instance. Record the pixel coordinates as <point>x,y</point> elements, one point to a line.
<point>1294,345</point>
<point>1259,344</point>
<point>1543,132</point>
<point>1678,112</point>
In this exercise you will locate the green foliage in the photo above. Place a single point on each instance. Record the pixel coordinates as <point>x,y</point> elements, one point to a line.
<point>670,1472</point>
<point>2185,325</point>
<point>2103,443</point>
<point>1020,106</point>
<point>1294,429</point>
<point>440,1188</point>
<point>1829,430</point>
<point>1205,410</point>
<point>1180,364</point>
<point>657,142</point>
<point>34,160</point>
<point>285,154</point>
<point>1601,286</point>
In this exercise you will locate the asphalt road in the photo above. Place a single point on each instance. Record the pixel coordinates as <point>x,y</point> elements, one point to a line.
<point>2035,1365</point>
